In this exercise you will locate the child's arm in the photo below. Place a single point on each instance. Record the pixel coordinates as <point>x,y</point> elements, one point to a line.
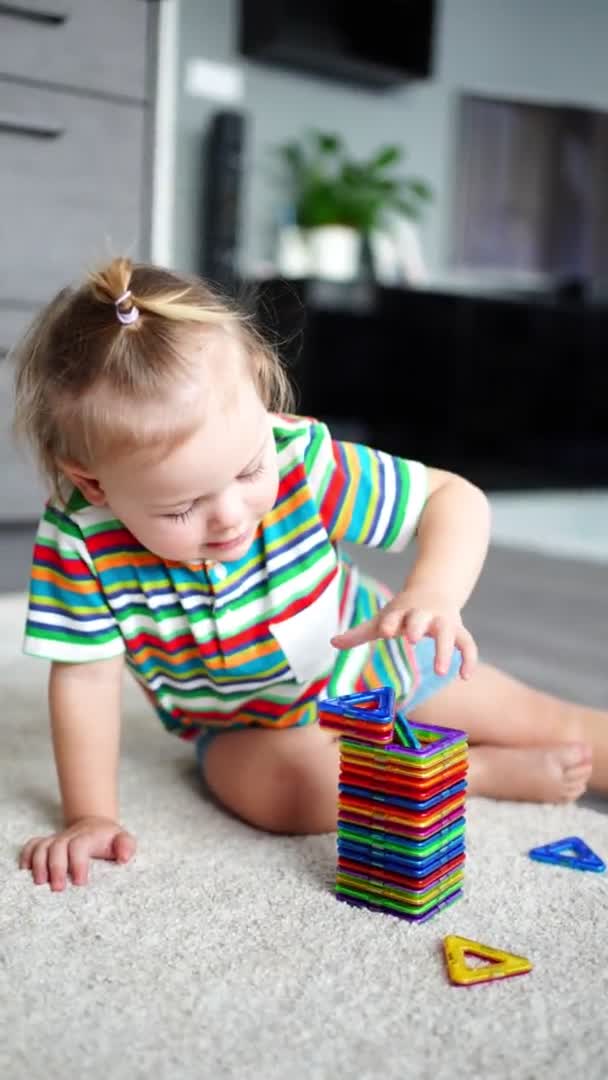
<point>453,536</point>
<point>84,704</point>
<point>85,722</point>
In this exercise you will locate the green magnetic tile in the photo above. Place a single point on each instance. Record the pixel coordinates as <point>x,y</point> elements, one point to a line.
<point>422,850</point>
<point>391,891</point>
<point>393,905</point>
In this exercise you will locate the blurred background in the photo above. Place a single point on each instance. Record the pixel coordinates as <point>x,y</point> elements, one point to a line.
<point>412,199</point>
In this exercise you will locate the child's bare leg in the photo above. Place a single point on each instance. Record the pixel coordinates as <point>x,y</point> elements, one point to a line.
<point>525,744</point>
<point>281,781</point>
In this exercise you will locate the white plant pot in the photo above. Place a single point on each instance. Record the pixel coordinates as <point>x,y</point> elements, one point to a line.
<point>293,253</point>
<point>335,252</point>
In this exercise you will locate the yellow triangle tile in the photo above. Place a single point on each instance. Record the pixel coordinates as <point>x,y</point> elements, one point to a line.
<point>501,964</point>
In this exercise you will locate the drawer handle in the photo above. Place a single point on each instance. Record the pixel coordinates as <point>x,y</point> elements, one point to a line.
<point>52,18</point>
<point>30,128</point>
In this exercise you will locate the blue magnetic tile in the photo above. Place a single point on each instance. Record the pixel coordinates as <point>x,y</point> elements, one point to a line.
<point>581,856</point>
<point>411,867</point>
<point>353,707</point>
<point>395,800</point>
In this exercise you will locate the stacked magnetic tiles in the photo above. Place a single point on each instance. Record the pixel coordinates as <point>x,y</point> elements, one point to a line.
<point>401,807</point>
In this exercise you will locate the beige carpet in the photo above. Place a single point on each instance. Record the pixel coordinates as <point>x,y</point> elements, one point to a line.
<point>220,952</point>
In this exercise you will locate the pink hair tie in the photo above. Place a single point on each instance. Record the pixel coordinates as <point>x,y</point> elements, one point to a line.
<point>126,317</point>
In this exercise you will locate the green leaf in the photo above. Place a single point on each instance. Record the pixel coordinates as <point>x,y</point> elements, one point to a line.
<point>408,209</point>
<point>389,155</point>
<point>329,144</point>
<point>292,156</point>
<point>387,187</point>
<point>420,189</point>
<point>328,186</point>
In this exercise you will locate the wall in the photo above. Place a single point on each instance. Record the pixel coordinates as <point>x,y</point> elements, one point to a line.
<point>539,50</point>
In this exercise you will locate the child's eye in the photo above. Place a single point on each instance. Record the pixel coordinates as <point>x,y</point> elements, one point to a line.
<point>183,516</point>
<point>253,474</point>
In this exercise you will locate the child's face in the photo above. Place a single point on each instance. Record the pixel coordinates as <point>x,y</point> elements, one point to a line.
<point>206,497</point>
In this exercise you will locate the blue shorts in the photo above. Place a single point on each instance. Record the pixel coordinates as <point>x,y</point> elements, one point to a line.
<point>429,683</point>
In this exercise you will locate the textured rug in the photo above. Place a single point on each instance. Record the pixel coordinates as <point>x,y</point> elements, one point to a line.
<point>221,952</point>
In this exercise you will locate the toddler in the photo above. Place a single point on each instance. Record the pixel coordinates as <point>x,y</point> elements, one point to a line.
<point>193,533</point>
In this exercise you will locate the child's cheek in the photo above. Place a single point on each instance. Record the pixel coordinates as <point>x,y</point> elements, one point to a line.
<point>269,495</point>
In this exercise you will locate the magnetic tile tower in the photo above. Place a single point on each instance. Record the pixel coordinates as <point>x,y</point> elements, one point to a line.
<point>401,807</point>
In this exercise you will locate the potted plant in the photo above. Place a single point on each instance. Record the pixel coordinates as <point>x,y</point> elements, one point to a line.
<point>338,202</point>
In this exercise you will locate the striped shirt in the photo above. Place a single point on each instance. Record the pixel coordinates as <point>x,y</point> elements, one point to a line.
<point>248,641</point>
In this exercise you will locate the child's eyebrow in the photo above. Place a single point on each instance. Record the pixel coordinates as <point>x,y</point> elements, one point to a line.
<point>187,500</point>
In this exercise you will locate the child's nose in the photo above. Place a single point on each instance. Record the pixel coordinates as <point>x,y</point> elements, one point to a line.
<point>226,513</point>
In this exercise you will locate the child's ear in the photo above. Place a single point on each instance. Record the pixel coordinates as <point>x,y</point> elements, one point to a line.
<point>86,482</point>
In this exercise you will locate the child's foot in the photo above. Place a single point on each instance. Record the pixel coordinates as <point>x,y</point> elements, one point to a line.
<point>554,775</point>
<point>594,726</point>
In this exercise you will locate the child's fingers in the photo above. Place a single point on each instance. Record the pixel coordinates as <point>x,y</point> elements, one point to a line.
<point>357,635</point>
<point>415,624</point>
<point>124,847</point>
<point>391,621</point>
<point>25,856</point>
<point>444,646</point>
<point>79,853</point>
<point>40,869</point>
<point>58,865</point>
<point>468,647</point>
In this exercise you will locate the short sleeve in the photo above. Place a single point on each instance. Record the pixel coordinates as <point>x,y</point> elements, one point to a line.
<point>68,618</point>
<point>365,496</point>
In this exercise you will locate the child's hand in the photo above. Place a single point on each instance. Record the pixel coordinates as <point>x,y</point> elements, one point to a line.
<point>51,858</point>
<point>416,613</point>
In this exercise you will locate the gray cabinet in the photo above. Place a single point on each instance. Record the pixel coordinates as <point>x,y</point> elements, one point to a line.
<point>74,122</point>
<point>96,46</point>
<point>21,490</point>
<point>71,181</point>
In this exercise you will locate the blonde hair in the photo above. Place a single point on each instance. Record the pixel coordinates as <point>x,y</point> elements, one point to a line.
<point>95,353</point>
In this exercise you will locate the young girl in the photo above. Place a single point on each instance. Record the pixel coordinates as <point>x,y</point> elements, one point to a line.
<point>193,533</point>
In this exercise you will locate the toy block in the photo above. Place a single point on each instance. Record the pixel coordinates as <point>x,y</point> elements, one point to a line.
<point>367,716</point>
<point>501,965</point>
<point>404,732</point>
<point>571,852</point>
<point>401,807</point>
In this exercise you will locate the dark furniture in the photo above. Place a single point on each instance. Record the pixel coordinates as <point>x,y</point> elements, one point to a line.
<point>339,40</point>
<point>510,390</point>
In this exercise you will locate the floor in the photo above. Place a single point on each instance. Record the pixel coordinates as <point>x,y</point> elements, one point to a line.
<point>221,952</point>
<point>15,556</point>
<point>570,524</point>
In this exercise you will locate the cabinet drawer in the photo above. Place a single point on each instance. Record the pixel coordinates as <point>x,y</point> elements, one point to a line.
<point>70,187</point>
<point>22,491</point>
<point>88,44</point>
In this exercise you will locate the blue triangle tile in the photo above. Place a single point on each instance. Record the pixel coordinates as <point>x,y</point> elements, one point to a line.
<point>405,733</point>
<point>355,706</point>
<point>571,852</point>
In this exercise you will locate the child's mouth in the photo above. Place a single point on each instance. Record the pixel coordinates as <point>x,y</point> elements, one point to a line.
<point>228,545</point>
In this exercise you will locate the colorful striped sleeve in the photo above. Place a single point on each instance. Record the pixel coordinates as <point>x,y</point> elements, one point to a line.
<point>365,496</point>
<point>68,618</point>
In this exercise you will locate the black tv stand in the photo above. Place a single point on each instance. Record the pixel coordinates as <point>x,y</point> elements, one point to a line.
<point>511,390</point>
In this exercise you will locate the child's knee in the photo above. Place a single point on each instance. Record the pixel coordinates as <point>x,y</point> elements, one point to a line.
<point>282,782</point>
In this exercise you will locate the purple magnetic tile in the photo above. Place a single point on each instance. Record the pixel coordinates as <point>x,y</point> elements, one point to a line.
<point>447,737</point>
<point>353,902</point>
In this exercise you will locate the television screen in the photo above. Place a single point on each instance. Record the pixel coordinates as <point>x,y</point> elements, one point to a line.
<point>332,39</point>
